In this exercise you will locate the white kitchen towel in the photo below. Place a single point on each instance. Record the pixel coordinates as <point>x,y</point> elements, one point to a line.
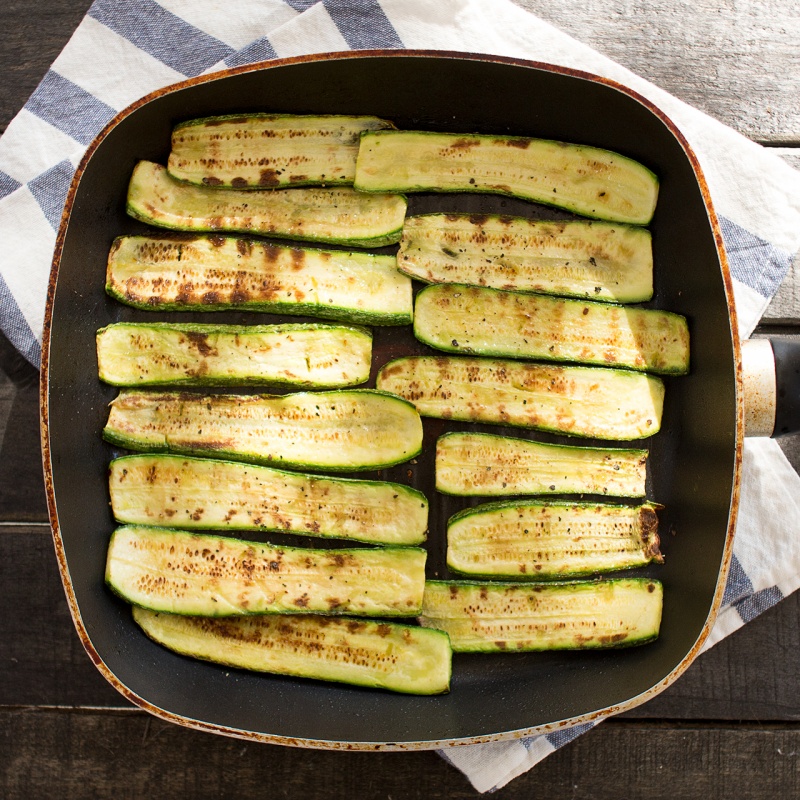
<point>124,49</point>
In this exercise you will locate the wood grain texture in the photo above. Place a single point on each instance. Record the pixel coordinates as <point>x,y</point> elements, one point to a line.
<point>737,61</point>
<point>126,755</point>
<point>32,36</point>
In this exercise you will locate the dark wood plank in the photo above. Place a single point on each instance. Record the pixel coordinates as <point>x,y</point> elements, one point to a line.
<point>33,34</point>
<point>752,675</point>
<point>22,497</point>
<point>96,754</point>
<point>731,60</point>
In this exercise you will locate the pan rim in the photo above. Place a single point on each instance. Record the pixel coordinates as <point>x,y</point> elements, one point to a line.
<point>63,566</point>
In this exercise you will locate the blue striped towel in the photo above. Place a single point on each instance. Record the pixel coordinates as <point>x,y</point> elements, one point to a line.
<point>124,49</point>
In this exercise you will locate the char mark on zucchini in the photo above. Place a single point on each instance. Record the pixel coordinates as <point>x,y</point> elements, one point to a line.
<point>180,572</point>
<point>341,431</point>
<point>586,180</point>
<point>591,402</point>
<point>205,493</point>
<point>337,215</point>
<point>603,261</point>
<point>579,615</point>
<point>265,151</point>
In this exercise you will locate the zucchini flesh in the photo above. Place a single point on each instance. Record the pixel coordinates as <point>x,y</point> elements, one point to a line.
<point>339,215</point>
<point>492,617</point>
<point>587,180</point>
<point>383,655</point>
<point>211,273</point>
<point>579,258</point>
<point>545,540</point>
<point>345,430</point>
<point>577,401</point>
<point>179,572</point>
<point>266,151</point>
<point>492,322</point>
<point>485,464</point>
<point>181,492</point>
<point>157,354</point>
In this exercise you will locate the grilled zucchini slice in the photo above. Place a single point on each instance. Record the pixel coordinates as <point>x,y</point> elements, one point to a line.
<point>547,540</point>
<point>587,180</point>
<point>577,401</point>
<point>182,492</point>
<point>381,655</point>
<point>214,273</point>
<point>494,617</point>
<point>492,322</point>
<point>173,354</point>
<point>267,151</point>
<point>342,431</point>
<point>338,215</point>
<point>484,464</point>
<point>180,572</point>
<point>579,258</point>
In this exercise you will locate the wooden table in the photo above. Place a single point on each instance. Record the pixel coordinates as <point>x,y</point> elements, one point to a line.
<point>729,728</point>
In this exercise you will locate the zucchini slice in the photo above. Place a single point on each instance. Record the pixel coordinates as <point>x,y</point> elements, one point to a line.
<point>179,572</point>
<point>160,353</point>
<point>341,431</point>
<point>381,655</point>
<point>484,464</point>
<point>492,617</point>
<point>197,493</point>
<point>493,322</point>
<point>545,540</point>
<point>212,273</point>
<point>577,401</point>
<point>600,260</point>
<point>339,215</point>
<point>266,151</point>
<point>587,180</point>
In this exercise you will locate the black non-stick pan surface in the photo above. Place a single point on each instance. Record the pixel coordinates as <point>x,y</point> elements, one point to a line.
<point>693,460</point>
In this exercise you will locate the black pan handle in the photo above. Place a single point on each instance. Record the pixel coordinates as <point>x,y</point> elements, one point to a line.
<point>771,375</point>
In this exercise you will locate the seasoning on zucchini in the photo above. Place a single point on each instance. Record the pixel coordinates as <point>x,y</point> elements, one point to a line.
<point>577,401</point>
<point>265,151</point>
<point>179,572</point>
<point>342,431</point>
<point>587,180</point>
<point>213,273</point>
<point>579,258</point>
<point>493,617</point>
<point>172,354</point>
<point>546,539</point>
<point>196,493</point>
<point>381,655</point>
<point>484,464</point>
<point>339,215</point>
<point>493,322</point>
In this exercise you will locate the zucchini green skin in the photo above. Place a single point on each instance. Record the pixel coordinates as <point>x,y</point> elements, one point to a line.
<point>338,215</point>
<point>574,615</point>
<point>268,151</point>
<point>587,180</point>
<point>180,572</point>
<point>603,261</point>
<point>190,354</point>
<point>483,464</point>
<point>577,401</point>
<point>379,655</point>
<point>346,430</point>
<point>204,493</point>
<point>217,273</point>
<point>493,322</point>
<point>548,540</point>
